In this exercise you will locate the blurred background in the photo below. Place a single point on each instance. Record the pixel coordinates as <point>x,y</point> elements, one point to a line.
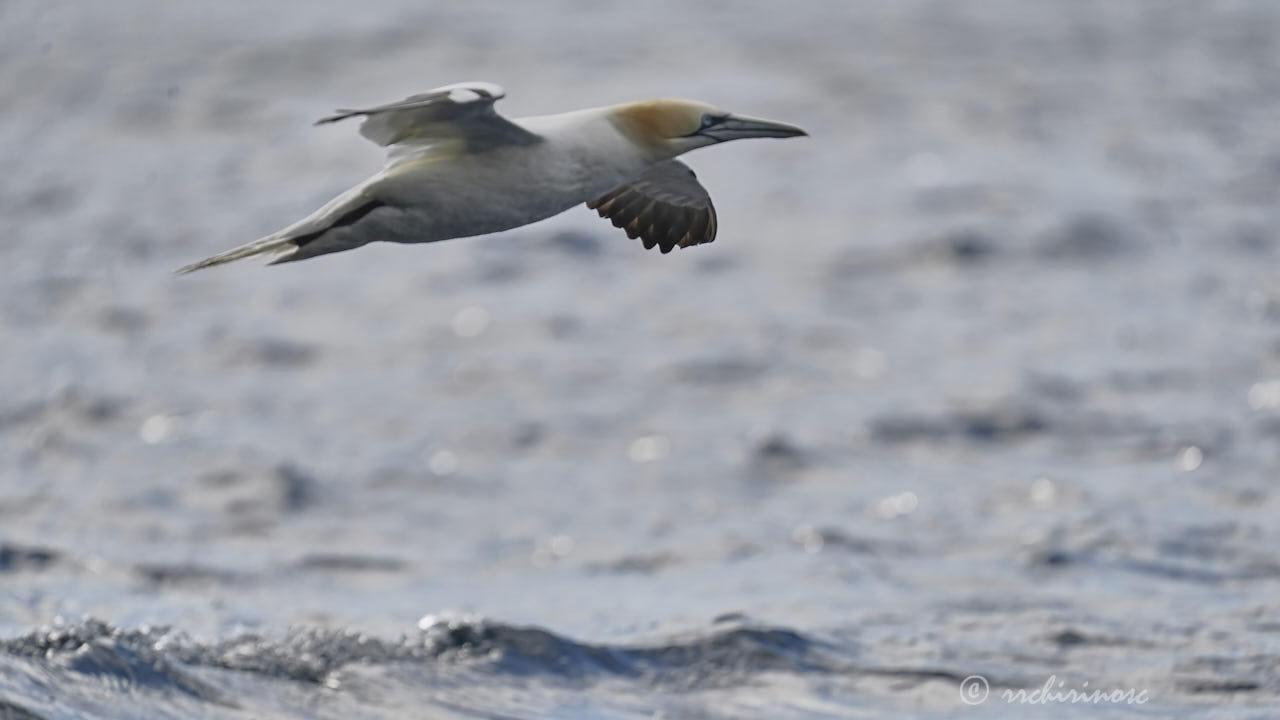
<point>982,378</point>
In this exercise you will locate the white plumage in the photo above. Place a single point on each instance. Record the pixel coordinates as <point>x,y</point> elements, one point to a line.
<point>455,168</point>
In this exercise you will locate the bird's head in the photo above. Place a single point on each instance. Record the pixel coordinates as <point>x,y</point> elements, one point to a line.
<point>671,127</point>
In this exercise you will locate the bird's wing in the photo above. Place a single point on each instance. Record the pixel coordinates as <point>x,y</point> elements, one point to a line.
<point>665,206</point>
<point>459,111</point>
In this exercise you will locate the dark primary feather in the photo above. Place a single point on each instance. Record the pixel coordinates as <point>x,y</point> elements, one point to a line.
<point>351,217</point>
<point>305,246</point>
<point>665,206</point>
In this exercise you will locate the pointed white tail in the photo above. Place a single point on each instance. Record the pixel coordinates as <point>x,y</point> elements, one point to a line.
<point>266,246</point>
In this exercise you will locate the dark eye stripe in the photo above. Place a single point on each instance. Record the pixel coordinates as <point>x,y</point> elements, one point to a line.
<point>708,121</point>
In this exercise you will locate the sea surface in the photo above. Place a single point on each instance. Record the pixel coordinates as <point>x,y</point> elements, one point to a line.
<point>981,379</point>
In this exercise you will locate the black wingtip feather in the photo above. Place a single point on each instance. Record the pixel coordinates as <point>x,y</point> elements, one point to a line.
<point>665,207</point>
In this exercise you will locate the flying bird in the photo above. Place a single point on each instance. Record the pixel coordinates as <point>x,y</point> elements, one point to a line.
<point>455,168</point>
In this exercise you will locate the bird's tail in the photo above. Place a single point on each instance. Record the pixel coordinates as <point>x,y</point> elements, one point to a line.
<point>273,245</point>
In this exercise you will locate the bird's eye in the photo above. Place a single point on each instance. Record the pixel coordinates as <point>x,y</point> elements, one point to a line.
<point>708,121</point>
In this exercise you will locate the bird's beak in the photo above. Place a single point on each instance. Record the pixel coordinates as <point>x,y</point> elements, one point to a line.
<point>737,127</point>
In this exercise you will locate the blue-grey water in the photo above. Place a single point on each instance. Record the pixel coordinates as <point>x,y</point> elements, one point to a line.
<point>981,379</point>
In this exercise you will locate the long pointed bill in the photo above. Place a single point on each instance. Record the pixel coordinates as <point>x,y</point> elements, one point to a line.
<point>737,127</point>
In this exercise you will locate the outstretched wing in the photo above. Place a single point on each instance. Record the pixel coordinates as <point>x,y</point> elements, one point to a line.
<point>665,206</point>
<point>462,110</point>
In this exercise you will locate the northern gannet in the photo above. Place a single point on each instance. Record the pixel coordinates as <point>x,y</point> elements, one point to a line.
<point>455,168</point>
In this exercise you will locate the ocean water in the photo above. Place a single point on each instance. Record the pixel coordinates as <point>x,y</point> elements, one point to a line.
<point>982,379</point>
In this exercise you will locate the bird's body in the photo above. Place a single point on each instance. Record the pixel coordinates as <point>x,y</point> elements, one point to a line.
<point>457,193</point>
<point>457,169</point>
